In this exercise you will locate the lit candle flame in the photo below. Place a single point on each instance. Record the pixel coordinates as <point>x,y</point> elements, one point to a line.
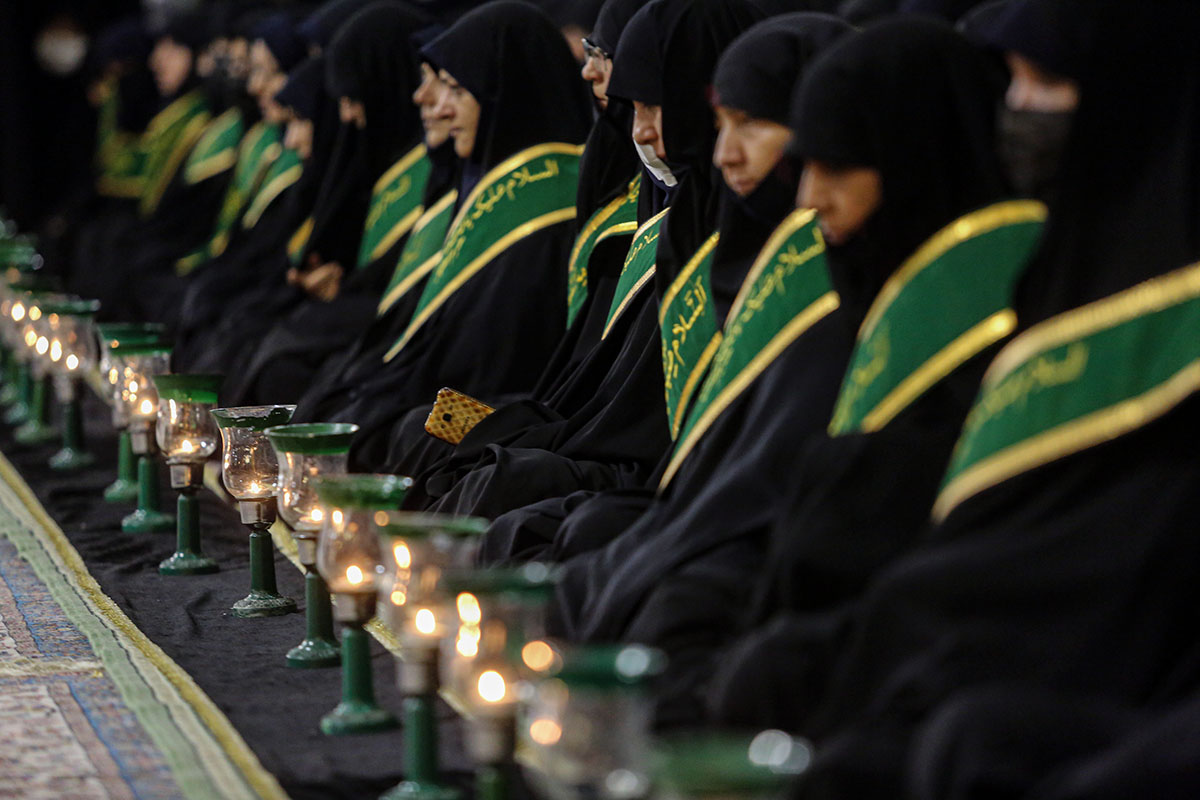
<point>72,362</point>
<point>30,338</point>
<point>491,686</point>
<point>398,597</point>
<point>147,407</point>
<point>186,446</point>
<point>403,556</point>
<point>113,376</point>
<point>425,622</point>
<point>336,516</point>
<point>538,656</point>
<point>545,732</point>
<point>18,312</point>
<point>55,350</point>
<point>354,574</point>
<point>468,609</point>
<point>43,344</point>
<point>35,313</point>
<point>317,515</point>
<point>254,487</point>
<point>468,641</point>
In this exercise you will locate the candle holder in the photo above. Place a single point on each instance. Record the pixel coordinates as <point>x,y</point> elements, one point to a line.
<point>250,472</point>
<point>139,364</point>
<point>306,452</point>
<point>187,434</point>
<point>418,548</point>
<point>72,352</point>
<point>729,765</point>
<point>20,339</point>
<point>501,625</point>
<point>588,723</point>
<point>350,560</point>
<point>35,428</point>
<point>112,338</point>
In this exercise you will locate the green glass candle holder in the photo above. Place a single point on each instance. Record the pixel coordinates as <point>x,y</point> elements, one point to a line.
<point>305,452</point>
<point>350,561</point>
<point>135,394</point>
<point>114,338</point>
<point>72,352</point>
<point>729,765</point>
<point>187,435</point>
<point>417,549</point>
<point>250,472</point>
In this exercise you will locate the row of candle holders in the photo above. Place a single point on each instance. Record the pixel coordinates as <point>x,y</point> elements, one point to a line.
<point>578,716</point>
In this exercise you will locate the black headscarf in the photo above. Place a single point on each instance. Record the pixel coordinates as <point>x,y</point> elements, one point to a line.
<point>278,32</point>
<point>862,12</point>
<point>370,60</point>
<point>127,42</point>
<point>321,25</point>
<point>928,129</point>
<point>610,23</point>
<point>774,8</point>
<point>304,91</point>
<point>947,10</point>
<point>517,65</point>
<point>1054,34</point>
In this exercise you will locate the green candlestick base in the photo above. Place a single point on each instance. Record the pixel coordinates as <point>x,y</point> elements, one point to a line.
<point>37,428</point>
<point>187,559</point>
<point>148,518</point>
<point>125,488</point>
<point>18,411</point>
<point>357,713</point>
<point>418,790</point>
<point>73,455</point>
<point>319,648</point>
<point>70,459</point>
<point>264,599</point>
<point>420,754</point>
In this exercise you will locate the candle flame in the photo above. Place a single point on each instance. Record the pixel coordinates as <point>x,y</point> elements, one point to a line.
<point>398,597</point>
<point>545,732</point>
<point>147,407</point>
<point>425,622</point>
<point>538,656</point>
<point>43,344</point>
<point>491,686</point>
<point>18,312</point>
<point>468,609</point>
<point>186,446</point>
<point>317,515</point>
<point>468,641</point>
<point>113,376</point>
<point>254,487</point>
<point>55,350</point>
<point>35,313</point>
<point>403,556</point>
<point>72,362</point>
<point>30,338</point>
<point>354,574</point>
<point>336,516</point>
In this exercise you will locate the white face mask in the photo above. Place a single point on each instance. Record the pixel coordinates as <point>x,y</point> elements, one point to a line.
<point>60,53</point>
<point>655,165</point>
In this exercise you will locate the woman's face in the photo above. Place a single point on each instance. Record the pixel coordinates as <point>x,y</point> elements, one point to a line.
<point>647,127</point>
<point>299,136</point>
<point>171,64</point>
<point>1032,88</point>
<point>844,197</point>
<point>460,111</point>
<point>597,70</point>
<point>747,149</point>
<point>427,96</point>
<point>264,71</point>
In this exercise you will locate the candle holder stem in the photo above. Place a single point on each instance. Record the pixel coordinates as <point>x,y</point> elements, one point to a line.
<point>125,488</point>
<point>357,713</point>
<point>18,412</point>
<point>37,428</point>
<point>491,783</point>
<point>264,599</point>
<point>187,558</point>
<point>11,392</point>
<point>149,516</point>
<point>420,754</point>
<point>319,648</point>
<point>73,455</point>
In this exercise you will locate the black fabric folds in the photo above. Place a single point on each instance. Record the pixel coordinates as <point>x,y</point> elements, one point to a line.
<point>278,33</point>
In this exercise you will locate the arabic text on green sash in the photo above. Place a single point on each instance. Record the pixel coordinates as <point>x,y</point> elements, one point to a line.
<point>395,204</point>
<point>421,251</point>
<point>638,269</point>
<point>690,335</point>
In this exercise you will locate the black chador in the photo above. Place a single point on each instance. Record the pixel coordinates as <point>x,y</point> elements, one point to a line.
<point>493,306</point>
<point>1062,553</point>
<point>369,61</point>
<point>608,203</point>
<point>617,438</point>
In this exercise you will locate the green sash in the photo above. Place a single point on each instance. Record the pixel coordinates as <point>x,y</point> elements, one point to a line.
<point>283,172</point>
<point>527,192</point>
<point>258,151</point>
<point>120,160</point>
<point>421,251</point>
<point>217,148</point>
<point>299,240</point>
<point>1078,380</point>
<point>690,336</point>
<point>395,204</point>
<point>616,218</point>
<point>637,270</point>
<point>945,304</point>
<point>786,292</point>
<point>168,138</point>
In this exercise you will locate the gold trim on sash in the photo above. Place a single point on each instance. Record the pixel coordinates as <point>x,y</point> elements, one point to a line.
<point>220,161</point>
<point>689,386</point>
<point>821,308</point>
<point>399,229</point>
<point>400,289</point>
<point>982,335</point>
<point>617,230</point>
<point>468,272</point>
<point>268,193</point>
<point>987,219</point>
<point>598,219</point>
<point>300,238</point>
<point>637,287</point>
<point>394,171</point>
<point>171,166</point>
<point>1099,426</point>
<point>685,274</point>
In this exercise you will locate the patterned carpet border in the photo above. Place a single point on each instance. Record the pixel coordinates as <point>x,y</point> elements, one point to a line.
<point>206,755</point>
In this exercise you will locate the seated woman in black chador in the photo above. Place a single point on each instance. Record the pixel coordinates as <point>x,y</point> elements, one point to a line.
<point>606,206</point>
<point>493,304</point>
<point>350,253</point>
<point>1062,555</point>
<point>619,433</point>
